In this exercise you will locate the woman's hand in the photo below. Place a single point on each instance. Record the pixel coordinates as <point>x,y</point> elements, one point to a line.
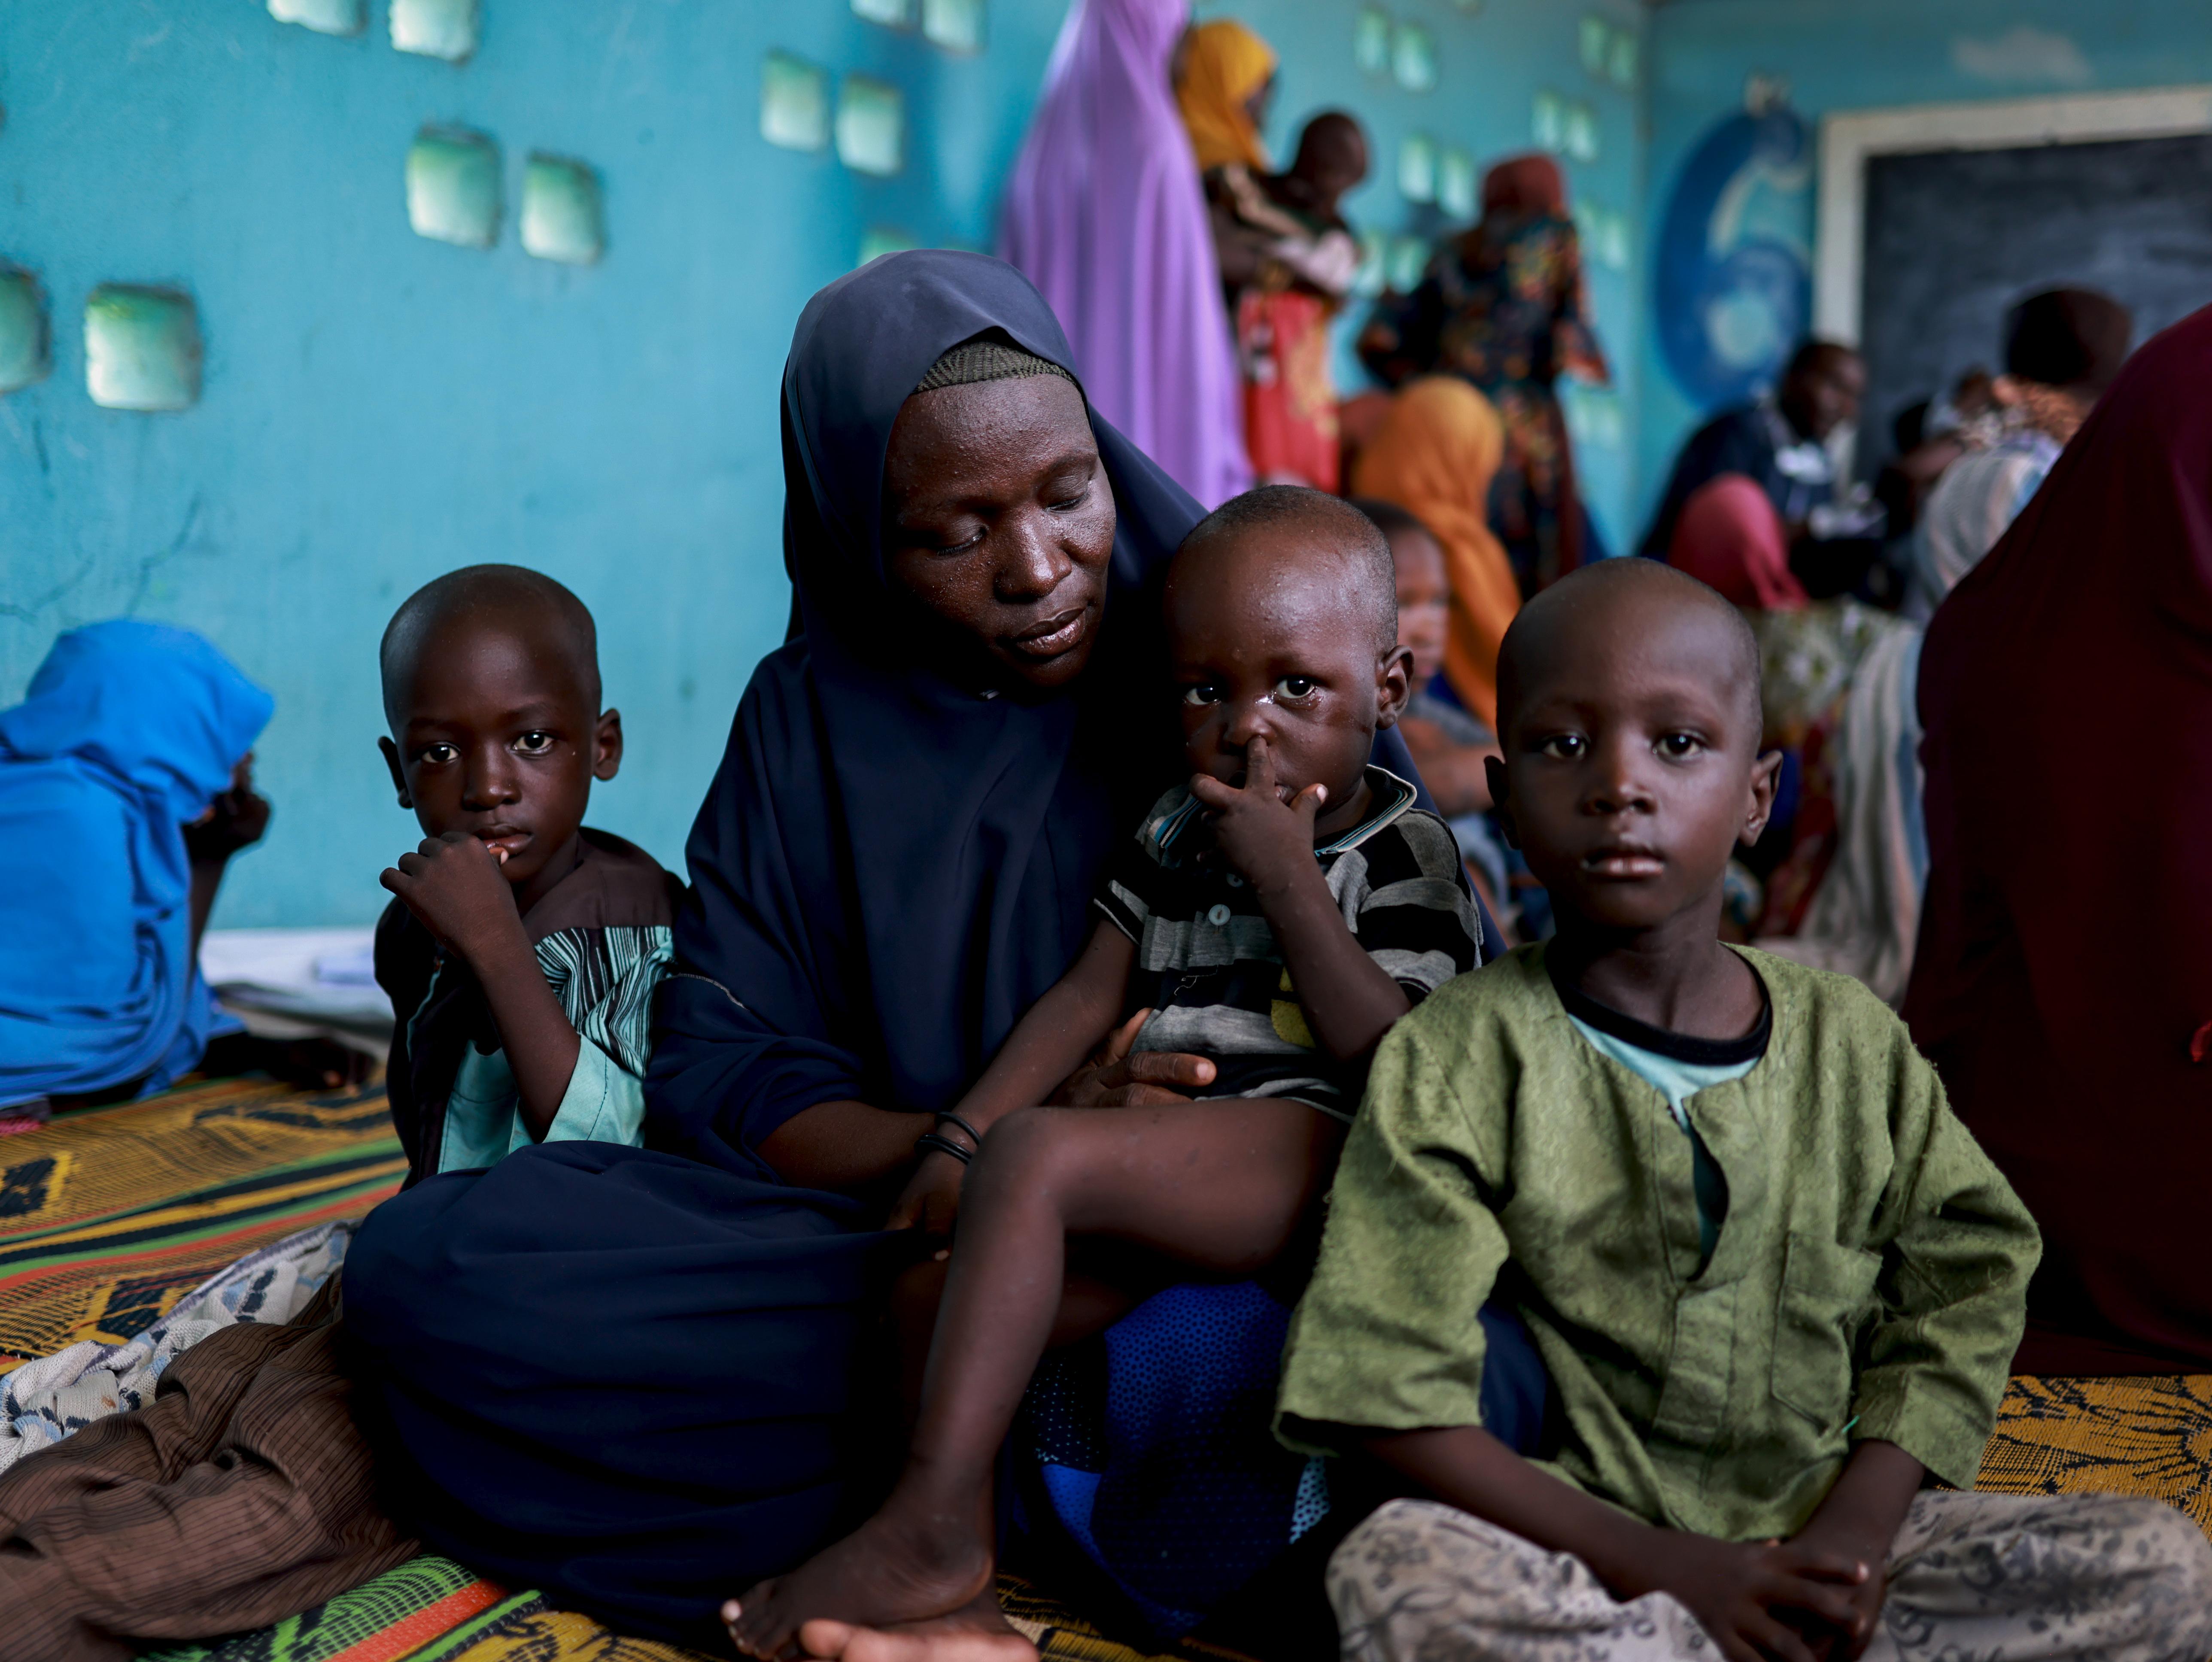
<point>234,820</point>
<point>453,884</point>
<point>931,1200</point>
<point>1113,1078</point>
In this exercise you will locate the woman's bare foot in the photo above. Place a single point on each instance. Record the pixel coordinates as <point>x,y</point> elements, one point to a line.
<point>977,1632</point>
<point>885,1574</point>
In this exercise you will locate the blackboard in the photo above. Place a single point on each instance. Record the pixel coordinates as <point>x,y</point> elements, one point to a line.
<point>1953,237</point>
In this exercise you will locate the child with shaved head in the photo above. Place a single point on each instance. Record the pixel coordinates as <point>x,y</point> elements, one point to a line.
<point>523,950</point>
<point>1274,916</point>
<point>1776,1283</point>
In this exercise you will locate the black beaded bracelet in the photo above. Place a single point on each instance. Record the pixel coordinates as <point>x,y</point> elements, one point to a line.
<point>931,1140</point>
<point>974,1135</point>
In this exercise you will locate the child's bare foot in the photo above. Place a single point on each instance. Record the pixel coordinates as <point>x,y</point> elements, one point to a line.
<point>977,1632</point>
<point>886,1574</point>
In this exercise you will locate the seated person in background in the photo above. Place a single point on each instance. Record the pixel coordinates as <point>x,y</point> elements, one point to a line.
<point>1275,915</point>
<point>1777,1281</point>
<point>524,949</point>
<point>1448,745</point>
<point>1781,443</point>
<point>1925,439</point>
<point>1835,882</point>
<point>2062,348</point>
<point>126,786</point>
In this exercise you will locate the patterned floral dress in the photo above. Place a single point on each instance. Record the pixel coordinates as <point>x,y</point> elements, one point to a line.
<point>1502,306</point>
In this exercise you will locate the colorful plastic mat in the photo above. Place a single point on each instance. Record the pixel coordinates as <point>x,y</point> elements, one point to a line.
<point>108,1216</point>
<point>2150,1436</point>
<point>431,1610</point>
<point>421,1604</point>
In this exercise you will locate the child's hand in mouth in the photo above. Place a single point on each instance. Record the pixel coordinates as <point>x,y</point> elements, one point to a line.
<point>456,885</point>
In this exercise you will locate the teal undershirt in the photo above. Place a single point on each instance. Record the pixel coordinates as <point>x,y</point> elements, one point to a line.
<point>1678,1082</point>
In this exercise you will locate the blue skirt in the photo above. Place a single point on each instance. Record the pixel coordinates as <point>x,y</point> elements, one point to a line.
<point>1151,1450</point>
<point>639,1384</point>
<point>634,1382</point>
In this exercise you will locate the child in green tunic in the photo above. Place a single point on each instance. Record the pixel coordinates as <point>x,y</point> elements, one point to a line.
<point>1777,1283</point>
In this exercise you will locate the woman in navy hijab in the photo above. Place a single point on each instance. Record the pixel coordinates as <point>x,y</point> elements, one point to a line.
<point>643,1379</point>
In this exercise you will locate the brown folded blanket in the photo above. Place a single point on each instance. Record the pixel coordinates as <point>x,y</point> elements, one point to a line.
<point>243,1494</point>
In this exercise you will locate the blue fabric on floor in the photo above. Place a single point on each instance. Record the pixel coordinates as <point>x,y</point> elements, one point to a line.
<point>1152,1447</point>
<point>128,731</point>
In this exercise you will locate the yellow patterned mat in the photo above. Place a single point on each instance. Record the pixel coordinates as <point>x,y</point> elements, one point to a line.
<point>2151,1436</point>
<point>535,1633</point>
<point>108,1216</point>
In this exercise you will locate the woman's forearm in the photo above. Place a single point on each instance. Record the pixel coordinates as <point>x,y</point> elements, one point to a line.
<point>1057,1034</point>
<point>842,1145</point>
<point>845,1145</point>
<point>206,878</point>
<point>1454,773</point>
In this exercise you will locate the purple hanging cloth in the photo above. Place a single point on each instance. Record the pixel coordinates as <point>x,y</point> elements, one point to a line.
<point>1106,215</point>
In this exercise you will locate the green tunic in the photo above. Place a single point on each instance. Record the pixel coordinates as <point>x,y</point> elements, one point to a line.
<point>1870,1281</point>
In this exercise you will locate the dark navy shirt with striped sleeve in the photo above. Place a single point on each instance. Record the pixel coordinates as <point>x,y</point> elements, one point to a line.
<point>1207,964</point>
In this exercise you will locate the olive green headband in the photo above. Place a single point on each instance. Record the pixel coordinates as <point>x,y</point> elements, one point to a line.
<point>984,359</point>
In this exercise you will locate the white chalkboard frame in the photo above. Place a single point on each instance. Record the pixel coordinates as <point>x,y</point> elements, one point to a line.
<point>1849,137</point>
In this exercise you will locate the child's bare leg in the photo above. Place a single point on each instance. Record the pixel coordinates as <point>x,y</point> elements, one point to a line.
<point>1219,1186</point>
<point>1090,1302</point>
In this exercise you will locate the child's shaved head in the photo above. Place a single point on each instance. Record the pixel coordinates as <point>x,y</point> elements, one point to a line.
<point>1628,713</point>
<point>1282,618</point>
<point>1277,514</point>
<point>492,687</point>
<point>510,599</point>
<point>1658,597</point>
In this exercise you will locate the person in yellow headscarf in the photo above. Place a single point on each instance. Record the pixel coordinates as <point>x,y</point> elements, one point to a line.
<point>1224,75</point>
<point>1287,256</point>
<point>1434,456</point>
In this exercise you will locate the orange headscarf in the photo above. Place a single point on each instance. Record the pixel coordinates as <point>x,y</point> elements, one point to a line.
<point>1434,456</point>
<point>1224,64</point>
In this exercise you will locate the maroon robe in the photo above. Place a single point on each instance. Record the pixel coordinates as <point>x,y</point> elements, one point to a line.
<point>2063,981</point>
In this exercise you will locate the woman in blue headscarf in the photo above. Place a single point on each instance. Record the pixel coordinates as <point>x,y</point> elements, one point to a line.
<point>643,1379</point>
<point>124,789</point>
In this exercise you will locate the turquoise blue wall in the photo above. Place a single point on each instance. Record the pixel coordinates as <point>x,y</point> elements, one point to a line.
<point>379,407</point>
<point>1859,54</point>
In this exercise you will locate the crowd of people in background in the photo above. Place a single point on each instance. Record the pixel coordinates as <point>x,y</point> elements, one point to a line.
<point>1467,435</point>
<point>1947,728</point>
